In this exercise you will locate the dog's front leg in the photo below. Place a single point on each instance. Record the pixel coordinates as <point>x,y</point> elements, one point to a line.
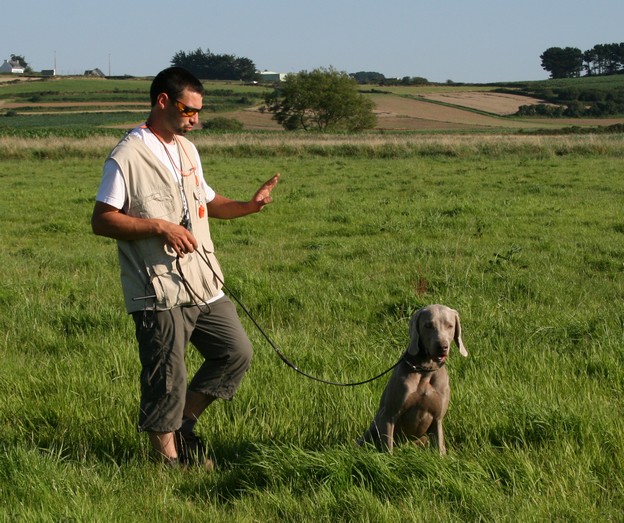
<point>437,436</point>
<point>386,430</point>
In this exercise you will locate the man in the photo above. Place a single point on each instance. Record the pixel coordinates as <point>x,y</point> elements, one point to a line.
<point>154,201</point>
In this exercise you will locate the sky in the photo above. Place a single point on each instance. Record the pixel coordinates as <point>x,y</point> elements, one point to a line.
<point>472,41</point>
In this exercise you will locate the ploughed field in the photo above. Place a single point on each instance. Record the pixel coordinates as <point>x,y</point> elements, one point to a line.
<point>426,108</point>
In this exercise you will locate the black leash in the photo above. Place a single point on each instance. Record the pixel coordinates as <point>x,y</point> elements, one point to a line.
<point>267,337</point>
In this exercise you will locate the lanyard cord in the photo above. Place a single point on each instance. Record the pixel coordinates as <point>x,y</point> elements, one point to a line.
<point>179,174</point>
<point>179,145</point>
<point>281,355</point>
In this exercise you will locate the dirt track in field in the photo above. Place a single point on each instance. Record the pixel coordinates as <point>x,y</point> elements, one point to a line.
<point>397,113</point>
<point>400,113</point>
<point>444,111</point>
<point>394,112</point>
<point>491,102</point>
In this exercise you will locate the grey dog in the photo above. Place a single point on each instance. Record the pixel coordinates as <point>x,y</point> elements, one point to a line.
<point>417,395</point>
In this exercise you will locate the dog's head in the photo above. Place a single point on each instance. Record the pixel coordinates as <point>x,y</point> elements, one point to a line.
<point>432,329</point>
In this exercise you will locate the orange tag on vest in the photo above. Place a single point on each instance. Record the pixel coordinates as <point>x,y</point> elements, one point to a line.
<point>202,211</point>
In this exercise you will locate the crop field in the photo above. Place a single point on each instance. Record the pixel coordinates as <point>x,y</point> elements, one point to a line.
<point>100,103</point>
<point>523,235</point>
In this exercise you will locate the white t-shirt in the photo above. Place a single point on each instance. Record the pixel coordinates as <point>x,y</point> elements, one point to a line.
<point>112,189</point>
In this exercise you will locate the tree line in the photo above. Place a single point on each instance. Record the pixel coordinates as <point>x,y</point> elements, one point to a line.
<point>570,102</point>
<point>373,77</point>
<point>210,66</point>
<point>570,62</point>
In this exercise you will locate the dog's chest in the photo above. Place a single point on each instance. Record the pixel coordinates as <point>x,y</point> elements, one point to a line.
<point>429,395</point>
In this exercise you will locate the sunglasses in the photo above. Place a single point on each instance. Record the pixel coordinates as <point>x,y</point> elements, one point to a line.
<point>185,110</point>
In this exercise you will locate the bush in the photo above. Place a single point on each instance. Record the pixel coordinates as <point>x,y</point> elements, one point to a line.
<point>575,109</point>
<point>550,111</point>
<point>221,123</point>
<point>321,100</point>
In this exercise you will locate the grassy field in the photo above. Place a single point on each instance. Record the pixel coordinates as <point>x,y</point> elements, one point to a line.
<point>524,236</point>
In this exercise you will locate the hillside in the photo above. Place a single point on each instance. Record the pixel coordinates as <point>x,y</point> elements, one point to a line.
<point>122,103</point>
<point>444,111</point>
<point>462,107</point>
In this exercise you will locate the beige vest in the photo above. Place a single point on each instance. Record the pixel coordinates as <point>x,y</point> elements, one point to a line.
<point>148,266</point>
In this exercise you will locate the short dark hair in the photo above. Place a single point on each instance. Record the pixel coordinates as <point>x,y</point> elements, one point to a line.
<point>173,81</point>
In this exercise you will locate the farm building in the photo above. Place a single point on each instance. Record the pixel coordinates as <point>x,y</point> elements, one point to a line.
<point>94,72</point>
<point>270,76</point>
<point>11,67</point>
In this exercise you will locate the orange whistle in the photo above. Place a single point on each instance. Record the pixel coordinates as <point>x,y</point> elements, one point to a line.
<point>202,211</point>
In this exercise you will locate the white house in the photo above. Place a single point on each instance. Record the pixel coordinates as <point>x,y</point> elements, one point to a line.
<point>11,67</point>
<point>270,76</point>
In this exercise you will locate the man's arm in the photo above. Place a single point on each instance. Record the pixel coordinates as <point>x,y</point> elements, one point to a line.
<point>111,222</point>
<point>226,209</point>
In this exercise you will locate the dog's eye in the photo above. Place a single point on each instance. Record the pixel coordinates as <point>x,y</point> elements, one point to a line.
<point>428,325</point>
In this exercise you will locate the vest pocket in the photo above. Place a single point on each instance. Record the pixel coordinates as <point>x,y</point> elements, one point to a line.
<point>194,284</point>
<point>159,204</point>
<point>168,287</point>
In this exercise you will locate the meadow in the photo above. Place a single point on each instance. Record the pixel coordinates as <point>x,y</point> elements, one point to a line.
<point>523,236</point>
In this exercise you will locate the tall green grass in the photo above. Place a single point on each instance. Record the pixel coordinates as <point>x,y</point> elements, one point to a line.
<point>528,248</point>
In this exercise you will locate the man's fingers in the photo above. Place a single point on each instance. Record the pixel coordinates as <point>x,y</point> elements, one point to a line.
<point>181,240</point>
<point>269,184</point>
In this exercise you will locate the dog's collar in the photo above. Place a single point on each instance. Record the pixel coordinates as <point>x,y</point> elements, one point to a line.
<point>416,366</point>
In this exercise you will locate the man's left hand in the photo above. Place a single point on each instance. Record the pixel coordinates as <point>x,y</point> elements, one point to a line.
<point>263,195</point>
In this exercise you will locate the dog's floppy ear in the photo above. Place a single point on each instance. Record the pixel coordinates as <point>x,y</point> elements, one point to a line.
<point>412,348</point>
<point>457,337</point>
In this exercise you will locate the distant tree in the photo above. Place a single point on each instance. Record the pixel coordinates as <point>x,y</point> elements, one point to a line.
<point>368,77</point>
<point>417,80</point>
<point>618,52</point>
<point>590,62</point>
<point>406,80</point>
<point>322,99</point>
<point>562,62</point>
<point>209,66</point>
<point>604,59</point>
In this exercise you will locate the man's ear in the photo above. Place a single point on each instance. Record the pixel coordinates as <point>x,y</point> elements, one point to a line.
<point>162,100</point>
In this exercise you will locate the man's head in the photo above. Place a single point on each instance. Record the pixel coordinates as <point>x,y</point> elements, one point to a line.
<point>176,96</point>
<point>174,81</point>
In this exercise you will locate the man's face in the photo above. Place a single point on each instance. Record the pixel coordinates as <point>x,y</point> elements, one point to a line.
<point>184,111</point>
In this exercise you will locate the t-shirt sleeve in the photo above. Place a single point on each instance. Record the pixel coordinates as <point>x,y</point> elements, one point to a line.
<point>112,189</point>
